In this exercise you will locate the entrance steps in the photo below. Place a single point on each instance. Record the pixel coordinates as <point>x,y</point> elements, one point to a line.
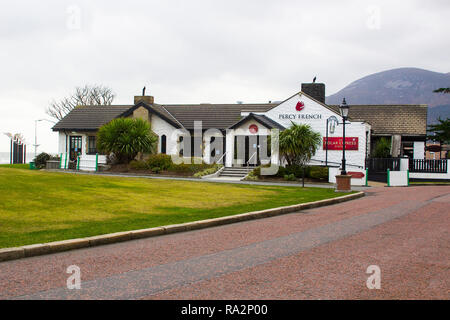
<point>235,172</point>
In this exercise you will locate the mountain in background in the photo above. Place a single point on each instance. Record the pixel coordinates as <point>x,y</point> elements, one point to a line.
<point>400,86</point>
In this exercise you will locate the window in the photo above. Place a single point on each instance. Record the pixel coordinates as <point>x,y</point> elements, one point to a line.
<point>181,152</point>
<point>213,151</point>
<point>163,144</point>
<point>92,145</point>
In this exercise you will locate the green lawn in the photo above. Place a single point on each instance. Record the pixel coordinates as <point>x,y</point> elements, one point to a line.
<point>15,166</point>
<point>39,206</point>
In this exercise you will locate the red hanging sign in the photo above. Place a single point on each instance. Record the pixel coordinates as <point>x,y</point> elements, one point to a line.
<point>335,143</point>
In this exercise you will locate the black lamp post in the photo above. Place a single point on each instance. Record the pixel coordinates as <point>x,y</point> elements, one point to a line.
<point>344,113</point>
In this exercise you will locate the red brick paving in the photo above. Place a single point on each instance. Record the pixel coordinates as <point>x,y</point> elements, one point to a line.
<point>412,251</point>
<point>414,265</point>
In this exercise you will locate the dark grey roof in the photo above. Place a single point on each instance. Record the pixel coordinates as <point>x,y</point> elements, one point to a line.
<point>220,116</point>
<point>88,118</point>
<point>267,122</point>
<point>391,119</point>
<point>384,119</point>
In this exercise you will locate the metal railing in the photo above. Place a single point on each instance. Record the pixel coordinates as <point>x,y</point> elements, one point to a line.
<point>336,164</point>
<point>428,166</point>
<point>254,154</point>
<point>383,164</point>
<point>218,161</point>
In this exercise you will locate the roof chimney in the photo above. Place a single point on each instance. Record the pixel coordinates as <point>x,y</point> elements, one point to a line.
<point>144,98</point>
<point>314,90</point>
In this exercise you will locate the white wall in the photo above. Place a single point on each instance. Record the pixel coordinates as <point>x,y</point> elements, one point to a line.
<point>62,143</point>
<point>353,129</point>
<point>419,150</point>
<point>160,127</point>
<point>425,175</point>
<point>207,135</point>
<point>398,178</point>
<point>404,164</point>
<point>63,140</point>
<point>230,148</point>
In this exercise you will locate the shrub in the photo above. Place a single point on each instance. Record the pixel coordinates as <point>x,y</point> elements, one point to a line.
<point>126,137</point>
<point>281,172</point>
<point>252,176</point>
<point>208,171</point>
<point>138,165</point>
<point>162,161</point>
<point>41,160</point>
<point>297,170</point>
<point>320,173</point>
<point>189,168</point>
<point>156,169</point>
<point>256,172</point>
<point>290,177</point>
<point>382,148</point>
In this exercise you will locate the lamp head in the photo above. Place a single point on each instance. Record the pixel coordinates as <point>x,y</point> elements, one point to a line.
<point>344,107</point>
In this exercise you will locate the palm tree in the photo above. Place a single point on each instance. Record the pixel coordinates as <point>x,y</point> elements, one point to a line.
<point>126,137</point>
<point>298,144</point>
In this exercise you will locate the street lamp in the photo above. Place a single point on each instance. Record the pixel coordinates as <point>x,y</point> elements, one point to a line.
<point>344,113</point>
<point>35,134</point>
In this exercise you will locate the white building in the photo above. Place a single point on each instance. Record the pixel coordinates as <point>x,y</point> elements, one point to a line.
<point>223,126</point>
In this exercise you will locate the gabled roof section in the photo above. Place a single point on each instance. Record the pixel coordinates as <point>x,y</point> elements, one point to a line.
<point>155,109</point>
<point>265,121</point>
<point>392,119</point>
<point>89,118</point>
<point>309,97</point>
<point>220,116</point>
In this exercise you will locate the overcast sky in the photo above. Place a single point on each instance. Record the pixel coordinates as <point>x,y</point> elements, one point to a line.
<point>203,51</point>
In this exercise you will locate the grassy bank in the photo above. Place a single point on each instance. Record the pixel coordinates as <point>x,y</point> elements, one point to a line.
<point>39,206</point>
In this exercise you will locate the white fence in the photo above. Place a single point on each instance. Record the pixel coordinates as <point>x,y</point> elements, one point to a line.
<point>398,178</point>
<point>64,161</point>
<point>90,162</point>
<point>395,178</point>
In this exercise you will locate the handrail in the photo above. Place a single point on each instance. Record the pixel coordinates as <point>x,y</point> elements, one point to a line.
<point>221,157</point>
<point>338,163</point>
<point>251,158</point>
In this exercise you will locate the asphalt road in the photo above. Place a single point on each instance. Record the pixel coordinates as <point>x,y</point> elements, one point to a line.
<point>320,253</point>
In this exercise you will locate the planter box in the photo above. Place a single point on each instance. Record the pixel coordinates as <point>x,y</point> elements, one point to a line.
<point>343,183</point>
<point>52,164</point>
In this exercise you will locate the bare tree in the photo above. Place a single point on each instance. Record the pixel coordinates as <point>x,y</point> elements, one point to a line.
<point>95,95</point>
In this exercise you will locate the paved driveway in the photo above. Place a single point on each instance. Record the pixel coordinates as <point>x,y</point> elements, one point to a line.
<point>320,253</point>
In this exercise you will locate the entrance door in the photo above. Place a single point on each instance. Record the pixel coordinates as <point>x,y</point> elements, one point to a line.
<point>246,148</point>
<point>75,146</point>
